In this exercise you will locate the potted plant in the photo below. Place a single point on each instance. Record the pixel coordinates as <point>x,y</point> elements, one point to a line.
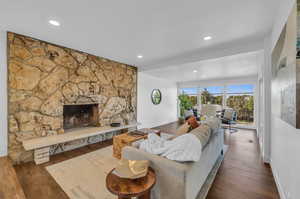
<point>184,104</point>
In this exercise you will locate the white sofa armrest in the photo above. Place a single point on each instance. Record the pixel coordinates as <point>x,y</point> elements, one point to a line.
<point>166,171</point>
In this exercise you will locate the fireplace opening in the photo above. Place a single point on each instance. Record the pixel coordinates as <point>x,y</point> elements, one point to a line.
<point>83,115</point>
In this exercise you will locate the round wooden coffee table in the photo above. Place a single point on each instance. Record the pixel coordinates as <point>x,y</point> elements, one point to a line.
<point>127,188</point>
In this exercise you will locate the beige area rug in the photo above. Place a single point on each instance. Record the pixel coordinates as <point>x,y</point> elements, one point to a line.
<point>84,177</point>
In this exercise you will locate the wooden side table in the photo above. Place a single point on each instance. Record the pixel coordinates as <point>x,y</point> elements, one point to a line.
<point>127,188</point>
<point>126,139</point>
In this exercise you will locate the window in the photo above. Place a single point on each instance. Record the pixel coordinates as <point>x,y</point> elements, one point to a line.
<point>192,93</point>
<point>241,99</point>
<point>238,97</point>
<point>212,95</point>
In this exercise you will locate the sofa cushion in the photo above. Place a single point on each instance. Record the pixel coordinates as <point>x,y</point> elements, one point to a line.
<point>214,123</point>
<point>183,129</point>
<point>203,133</point>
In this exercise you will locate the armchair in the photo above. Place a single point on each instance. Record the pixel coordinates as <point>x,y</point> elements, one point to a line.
<point>229,117</point>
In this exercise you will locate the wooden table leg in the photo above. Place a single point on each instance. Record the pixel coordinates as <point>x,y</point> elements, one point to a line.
<point>145,196</point>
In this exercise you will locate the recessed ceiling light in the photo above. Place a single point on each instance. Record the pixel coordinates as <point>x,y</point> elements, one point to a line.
<point>140,56</point>
<point>195,71</point>
<point>207,38</point>
<point>54,22</point>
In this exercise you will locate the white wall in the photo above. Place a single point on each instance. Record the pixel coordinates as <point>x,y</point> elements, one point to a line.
<point>3,94</point>
<point>151,115</point>
<point>284,139</point>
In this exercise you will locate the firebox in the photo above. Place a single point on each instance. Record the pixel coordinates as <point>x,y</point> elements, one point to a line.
<point>83,115</point>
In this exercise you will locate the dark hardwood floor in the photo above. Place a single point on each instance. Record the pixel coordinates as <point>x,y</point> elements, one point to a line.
<point>242,174</point>
<point>10,187</point>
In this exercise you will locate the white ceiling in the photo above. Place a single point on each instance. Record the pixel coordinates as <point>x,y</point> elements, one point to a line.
<point>165,32</point>
<point>230,67</point>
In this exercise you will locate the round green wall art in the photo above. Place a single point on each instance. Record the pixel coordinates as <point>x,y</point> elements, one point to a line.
<point>156,96</point>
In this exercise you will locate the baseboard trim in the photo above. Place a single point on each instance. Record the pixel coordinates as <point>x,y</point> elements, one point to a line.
<point>266,159</point>
<point>4,154</point>
<point>277,181</point>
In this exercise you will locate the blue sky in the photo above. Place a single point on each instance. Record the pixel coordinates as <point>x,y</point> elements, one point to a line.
<point>218,89</point>
<point>241,88</point>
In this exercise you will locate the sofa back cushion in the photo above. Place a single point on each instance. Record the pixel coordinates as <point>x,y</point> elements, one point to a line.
<point>203,133</point>
<point>183,129</point>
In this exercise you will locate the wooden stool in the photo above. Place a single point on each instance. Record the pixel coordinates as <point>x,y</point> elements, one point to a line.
<point>128,188</point>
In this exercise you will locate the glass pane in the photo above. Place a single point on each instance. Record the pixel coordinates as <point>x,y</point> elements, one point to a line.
<point>248,88</point>
<point>215,90</point>
<point>240,98</point>
<point>212,95</point>
<point>192,93</point>
<point>193,100</point>
<point>189,91</point>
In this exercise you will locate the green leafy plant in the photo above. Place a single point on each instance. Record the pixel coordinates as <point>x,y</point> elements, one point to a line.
<point>243,105</point>
<point>185,103</point>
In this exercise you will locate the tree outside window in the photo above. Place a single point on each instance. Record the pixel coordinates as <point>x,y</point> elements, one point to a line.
<point>192,94</point>
<point>212,95</point>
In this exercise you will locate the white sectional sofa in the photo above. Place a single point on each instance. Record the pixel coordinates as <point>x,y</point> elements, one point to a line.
<point>177,180</point>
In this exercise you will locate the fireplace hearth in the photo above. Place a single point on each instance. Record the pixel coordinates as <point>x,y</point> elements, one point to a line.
<point>83,115</point>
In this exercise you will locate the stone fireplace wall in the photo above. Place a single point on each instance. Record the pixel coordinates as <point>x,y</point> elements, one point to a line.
<point>42,77</point>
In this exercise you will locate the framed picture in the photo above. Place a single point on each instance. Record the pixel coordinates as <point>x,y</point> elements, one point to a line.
<point>286,71</point>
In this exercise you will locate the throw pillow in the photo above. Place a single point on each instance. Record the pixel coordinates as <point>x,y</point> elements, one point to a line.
<point>193,122</point>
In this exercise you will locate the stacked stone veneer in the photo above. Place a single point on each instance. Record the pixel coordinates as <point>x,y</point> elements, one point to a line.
<point>43,77</point>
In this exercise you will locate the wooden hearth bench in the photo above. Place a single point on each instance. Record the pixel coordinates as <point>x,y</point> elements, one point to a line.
<point>41,146</point>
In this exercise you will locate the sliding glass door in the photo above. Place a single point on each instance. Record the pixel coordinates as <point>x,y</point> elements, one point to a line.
<point>192,93</point>
<point>240,98</point>
<point>212,95</point>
